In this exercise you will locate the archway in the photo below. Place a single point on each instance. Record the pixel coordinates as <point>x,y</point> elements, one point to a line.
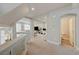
<point>68,30</point>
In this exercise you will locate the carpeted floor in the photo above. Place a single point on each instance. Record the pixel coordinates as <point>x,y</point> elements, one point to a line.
<point>65,41</point>
<point>38,46</point>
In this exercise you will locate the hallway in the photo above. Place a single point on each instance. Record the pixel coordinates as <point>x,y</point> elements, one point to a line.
<point>41,47</point>
<point>27,20</point>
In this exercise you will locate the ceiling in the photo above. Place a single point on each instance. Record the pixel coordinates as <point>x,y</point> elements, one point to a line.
<point>7,7</point>
<point>11,12</point>
<point>42,8</point>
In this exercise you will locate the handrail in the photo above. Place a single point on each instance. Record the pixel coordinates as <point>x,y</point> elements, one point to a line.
<point>9,44</point>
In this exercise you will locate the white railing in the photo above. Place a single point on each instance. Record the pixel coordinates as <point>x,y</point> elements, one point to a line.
<point>14,47</point>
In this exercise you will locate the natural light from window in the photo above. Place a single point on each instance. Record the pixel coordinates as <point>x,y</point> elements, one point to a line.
<point>23,26</point>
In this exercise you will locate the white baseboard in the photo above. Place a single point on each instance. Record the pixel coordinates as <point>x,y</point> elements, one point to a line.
<point>53,42</point>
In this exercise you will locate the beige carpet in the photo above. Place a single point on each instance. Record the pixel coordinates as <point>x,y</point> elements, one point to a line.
<point>65,41</point>
<point>38,46</point>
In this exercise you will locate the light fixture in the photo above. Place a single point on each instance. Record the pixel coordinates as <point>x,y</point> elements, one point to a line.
<point>33,9</point>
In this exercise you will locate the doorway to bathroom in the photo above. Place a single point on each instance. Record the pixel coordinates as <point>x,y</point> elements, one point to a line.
<point>68,30</point>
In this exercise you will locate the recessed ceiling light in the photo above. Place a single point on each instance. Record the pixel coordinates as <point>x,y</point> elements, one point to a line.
<point>33,9</point>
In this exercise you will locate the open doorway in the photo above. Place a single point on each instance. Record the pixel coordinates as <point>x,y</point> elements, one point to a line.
<point>68,30</point>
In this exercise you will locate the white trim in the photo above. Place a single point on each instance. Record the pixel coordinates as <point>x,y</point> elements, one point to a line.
<point>52,42</point>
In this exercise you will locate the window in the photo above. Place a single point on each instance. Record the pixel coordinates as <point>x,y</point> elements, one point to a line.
<point>18,27</point>
<point>22,26</point>
<point>26,27</point>
<point>3,37</point>
<point>5,34</point>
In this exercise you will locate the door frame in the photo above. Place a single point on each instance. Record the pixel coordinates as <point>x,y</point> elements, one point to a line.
<point>74,28</point>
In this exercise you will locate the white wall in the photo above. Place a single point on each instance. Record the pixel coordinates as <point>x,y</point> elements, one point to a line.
<point>53,29</point>
<point>72,29</point>
<point>40,24</point>
<point>54,36</point>
<point>65,25</point>
<point>53,24</point>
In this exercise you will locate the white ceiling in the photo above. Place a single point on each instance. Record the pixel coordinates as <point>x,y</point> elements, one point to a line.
<point>42,8</point>
<point>11,13</point>
<point>7,7</point>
